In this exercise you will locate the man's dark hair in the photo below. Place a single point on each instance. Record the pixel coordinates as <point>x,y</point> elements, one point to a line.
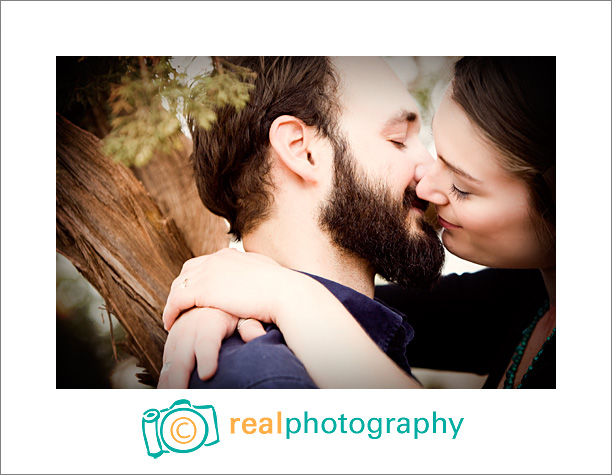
<point>231,160</point>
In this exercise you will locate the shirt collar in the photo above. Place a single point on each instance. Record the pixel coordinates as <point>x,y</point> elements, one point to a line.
<point>386,326</point>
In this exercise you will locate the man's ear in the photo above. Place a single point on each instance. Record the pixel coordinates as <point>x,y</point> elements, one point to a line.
<point>291,140</point>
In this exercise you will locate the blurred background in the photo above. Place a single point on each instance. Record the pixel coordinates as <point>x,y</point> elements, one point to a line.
<point>89,351</point>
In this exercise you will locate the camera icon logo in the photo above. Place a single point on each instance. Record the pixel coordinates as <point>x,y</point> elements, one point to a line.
<point>181,428</point>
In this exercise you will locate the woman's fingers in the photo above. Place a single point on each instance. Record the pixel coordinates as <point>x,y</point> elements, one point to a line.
<point>249,329</point>
<point>178,300</point>
<point>179,361</point>
<point>211,331</point>
<point>227,279</point>
<point>196,336</point>
<point>180,372</point>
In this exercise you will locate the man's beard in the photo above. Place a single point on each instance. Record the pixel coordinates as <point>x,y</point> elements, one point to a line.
<point>366,221</point>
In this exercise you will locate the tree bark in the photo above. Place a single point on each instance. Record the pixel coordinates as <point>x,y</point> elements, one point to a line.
<point>169,180</point>
<point>110,228</point>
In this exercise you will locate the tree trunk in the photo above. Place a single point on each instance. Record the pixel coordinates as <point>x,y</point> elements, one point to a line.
<point>169,180</point>
<point>110,228</point>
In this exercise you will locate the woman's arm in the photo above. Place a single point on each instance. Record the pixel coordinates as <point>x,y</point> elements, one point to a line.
<point>319,329</point>
<point>315,325</point>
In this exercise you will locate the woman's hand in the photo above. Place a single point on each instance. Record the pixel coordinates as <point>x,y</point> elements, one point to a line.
<point>243,284</point>
<point>335,350</point>
<point>196,337</point>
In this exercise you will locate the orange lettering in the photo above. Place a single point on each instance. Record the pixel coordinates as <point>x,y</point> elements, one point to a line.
<point>265,428</point>
<point>234,419</point>
<point>250,422</point>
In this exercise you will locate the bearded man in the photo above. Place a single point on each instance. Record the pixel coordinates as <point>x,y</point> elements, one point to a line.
<point>318,172</point>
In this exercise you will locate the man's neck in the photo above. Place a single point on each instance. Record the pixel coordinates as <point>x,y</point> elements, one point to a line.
<point>314,254</point>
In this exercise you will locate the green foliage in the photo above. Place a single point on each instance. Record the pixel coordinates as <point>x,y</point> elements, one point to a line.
<point>83,88</point>
<point>147,103</point>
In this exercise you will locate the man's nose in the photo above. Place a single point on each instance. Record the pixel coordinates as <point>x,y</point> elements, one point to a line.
<point>424,163</point>
<point>420,171</point>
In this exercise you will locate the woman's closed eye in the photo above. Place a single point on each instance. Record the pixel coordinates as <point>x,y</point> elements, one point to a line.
<point>459,194</point>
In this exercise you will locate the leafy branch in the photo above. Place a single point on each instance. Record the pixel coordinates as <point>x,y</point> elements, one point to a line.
<point>148,102</point>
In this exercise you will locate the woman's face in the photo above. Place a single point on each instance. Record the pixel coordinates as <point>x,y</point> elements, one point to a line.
<point>483,209</point>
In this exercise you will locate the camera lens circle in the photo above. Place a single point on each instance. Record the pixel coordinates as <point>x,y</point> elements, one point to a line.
<point>183,430</point>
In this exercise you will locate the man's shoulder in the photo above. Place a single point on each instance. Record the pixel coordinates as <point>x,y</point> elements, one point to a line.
<point>263,363</point>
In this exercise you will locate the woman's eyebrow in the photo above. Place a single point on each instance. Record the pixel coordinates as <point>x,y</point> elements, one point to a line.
<point>459,171</point>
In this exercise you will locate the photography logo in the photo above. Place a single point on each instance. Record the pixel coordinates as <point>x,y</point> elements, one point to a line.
<point>180,428</point>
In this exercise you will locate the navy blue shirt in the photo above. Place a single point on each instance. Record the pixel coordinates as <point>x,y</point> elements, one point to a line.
<point>267,362</point>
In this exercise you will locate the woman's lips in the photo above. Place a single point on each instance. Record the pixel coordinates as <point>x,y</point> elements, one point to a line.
<point>446,225</point>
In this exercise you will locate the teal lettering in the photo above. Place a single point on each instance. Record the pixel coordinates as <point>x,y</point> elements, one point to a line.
<point>389,419</point>
<point>342,419</point>
<point>416,426</point>
<point>455,432</point>
<point>435,422</point>
<point>405,424</point>
<point>378,429</point>
<point>289,431</point>
<point>362,425</point>
<point>307,420</point>
<point>323,425</point>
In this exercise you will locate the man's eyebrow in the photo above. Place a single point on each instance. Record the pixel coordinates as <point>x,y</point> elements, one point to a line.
<point>401,118</point>
<point>459,171</point>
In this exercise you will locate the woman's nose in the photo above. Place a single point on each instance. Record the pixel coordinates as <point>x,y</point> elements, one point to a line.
<point>428,189</point>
